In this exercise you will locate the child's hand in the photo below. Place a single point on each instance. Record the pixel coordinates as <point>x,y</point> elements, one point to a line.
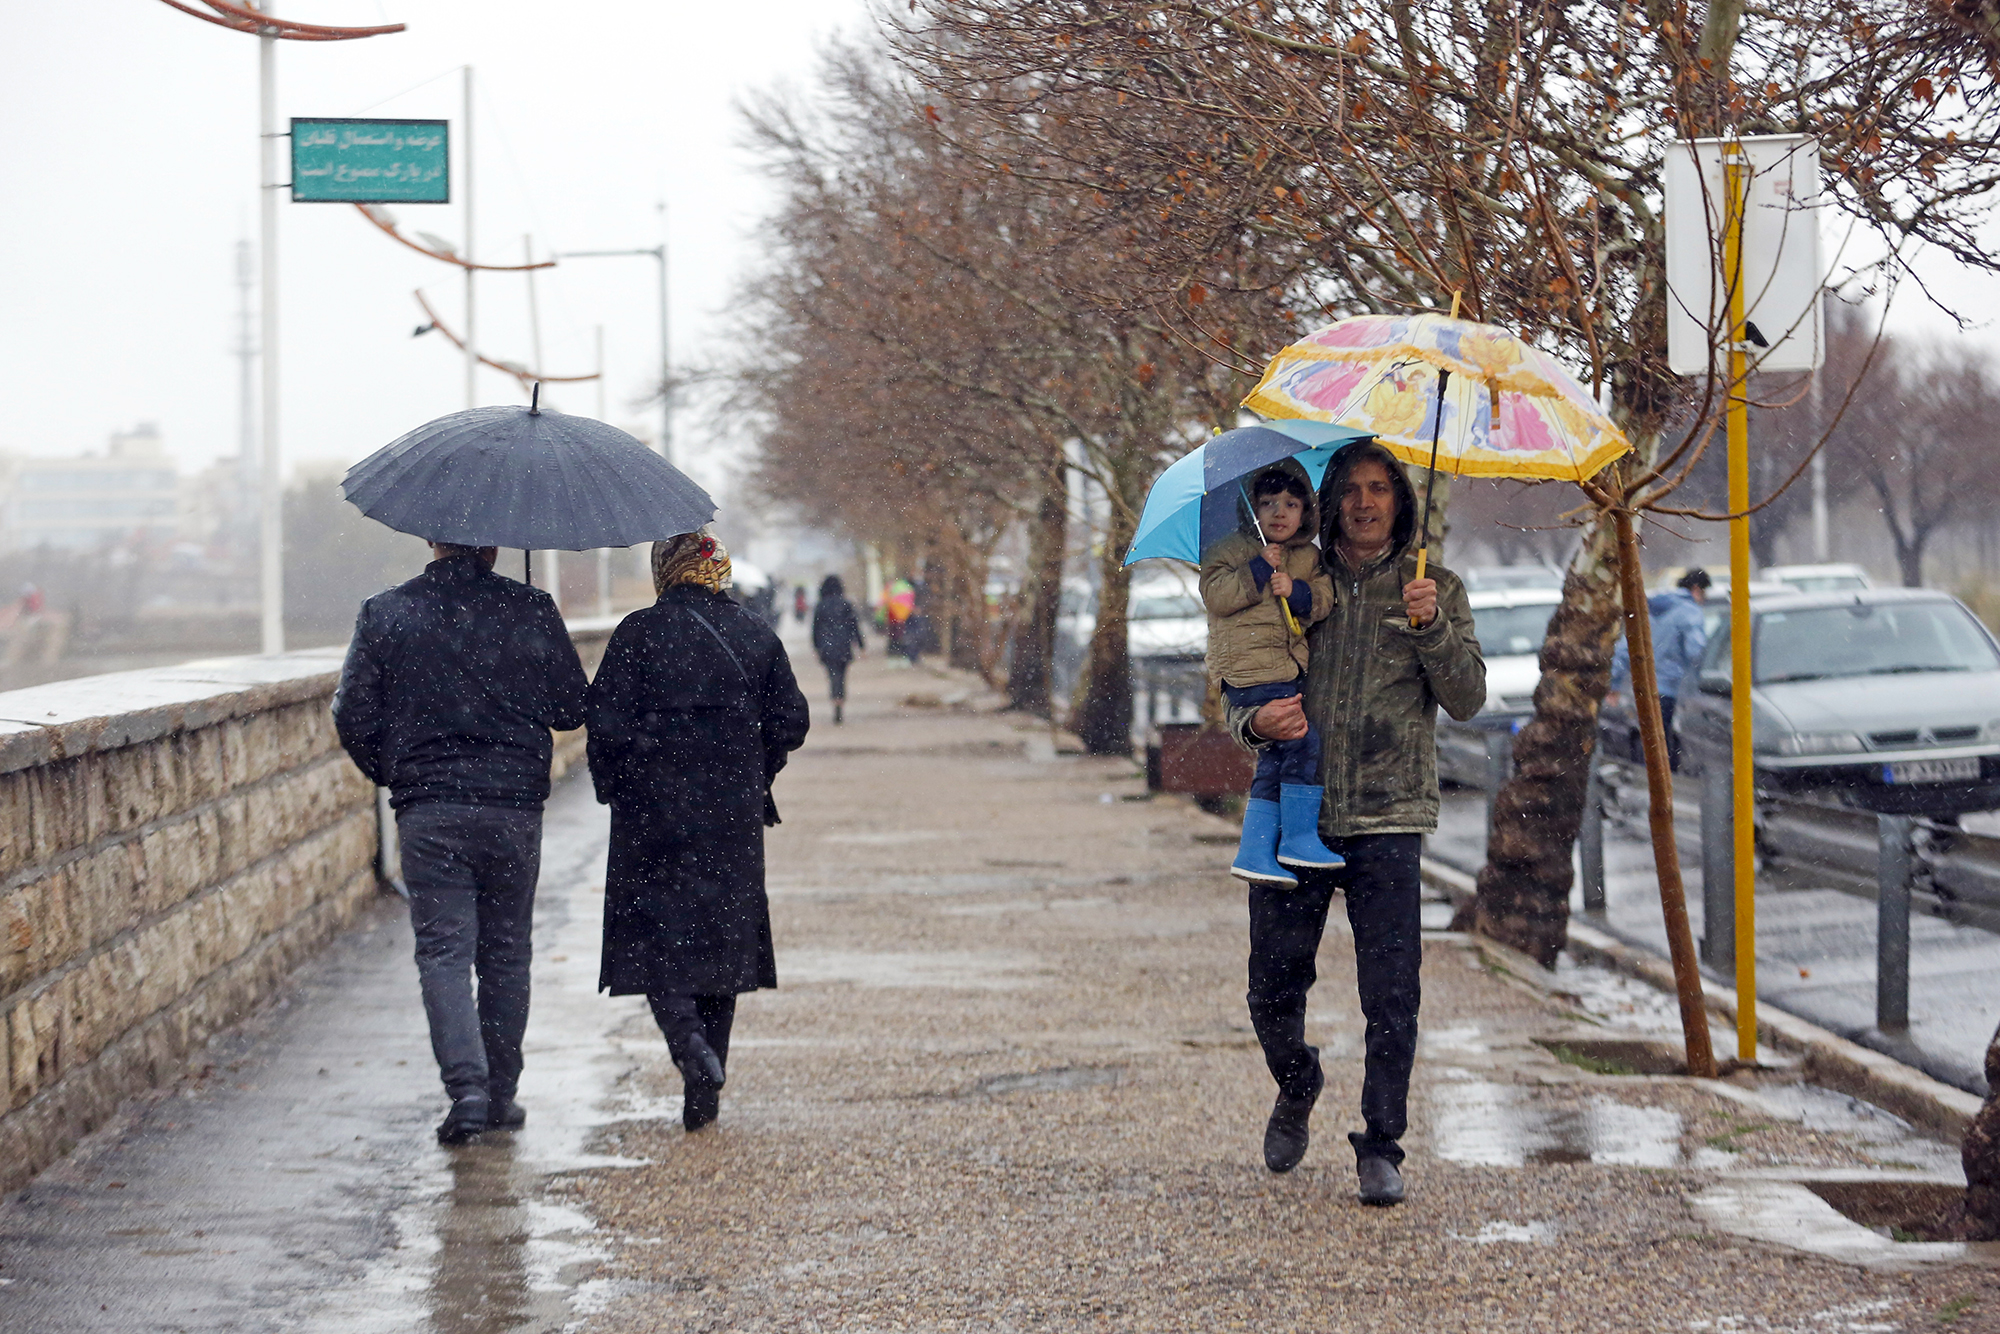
<point>1274,556</point>
<point>1281,583</point>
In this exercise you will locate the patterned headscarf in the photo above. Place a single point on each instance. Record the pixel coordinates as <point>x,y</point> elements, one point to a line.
<point>691,558</point>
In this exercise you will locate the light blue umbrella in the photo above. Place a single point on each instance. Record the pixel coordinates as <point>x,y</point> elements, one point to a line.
<point>1194,501</point>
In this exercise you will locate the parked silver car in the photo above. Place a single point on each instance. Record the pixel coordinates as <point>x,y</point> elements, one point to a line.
<point>1510,624</point>
<point>1819,578</point>
<point>1888,698</point>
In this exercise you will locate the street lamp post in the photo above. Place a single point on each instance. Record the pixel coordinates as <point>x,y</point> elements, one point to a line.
<point>270,490</point>
<point>257,19</point>
<point>659,255</point>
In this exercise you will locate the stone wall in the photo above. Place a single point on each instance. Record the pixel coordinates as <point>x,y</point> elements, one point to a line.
<point>173,842</point>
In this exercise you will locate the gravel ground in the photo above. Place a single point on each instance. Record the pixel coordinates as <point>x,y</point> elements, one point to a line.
<point>1008,1083</point>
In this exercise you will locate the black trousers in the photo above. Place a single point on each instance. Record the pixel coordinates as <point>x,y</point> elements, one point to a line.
<point>1380,881</point>
<point>836,678</point>
<point>472,872</point>
<point>684,1017</point>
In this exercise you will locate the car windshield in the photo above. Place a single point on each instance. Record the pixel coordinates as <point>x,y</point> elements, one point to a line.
<point>1884,639</point>
<point>1165,607</point>
<point>1506,631</point>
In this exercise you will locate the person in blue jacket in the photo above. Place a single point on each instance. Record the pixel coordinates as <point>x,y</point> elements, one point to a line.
<point>1679,638</point>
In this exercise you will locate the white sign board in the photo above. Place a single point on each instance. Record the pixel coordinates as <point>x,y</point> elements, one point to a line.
<point>1782,273</point>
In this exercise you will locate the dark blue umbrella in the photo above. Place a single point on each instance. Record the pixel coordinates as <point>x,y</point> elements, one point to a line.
<point>528,478</point>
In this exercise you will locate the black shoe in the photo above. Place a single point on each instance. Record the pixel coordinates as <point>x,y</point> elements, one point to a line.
<point>700,1105</point>
<point>465,1122</point>
<point>702,1066</point>
<point>1380,1182</point>
<point>1289,1130</point>
<point>506,1114</point>
<point>702,1078</point>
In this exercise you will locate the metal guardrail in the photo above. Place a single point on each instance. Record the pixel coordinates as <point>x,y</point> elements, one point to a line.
<point>1904,863</point>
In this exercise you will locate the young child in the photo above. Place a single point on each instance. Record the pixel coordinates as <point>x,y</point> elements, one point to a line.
<point>1248,582</point>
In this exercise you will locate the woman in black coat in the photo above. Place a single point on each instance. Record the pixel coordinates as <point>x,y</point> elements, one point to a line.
<point>692,714</point>
<point>836,634</point>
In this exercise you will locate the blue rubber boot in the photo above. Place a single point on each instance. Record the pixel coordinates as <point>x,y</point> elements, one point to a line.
<point>1260,839</point>
<point>1298,818</point>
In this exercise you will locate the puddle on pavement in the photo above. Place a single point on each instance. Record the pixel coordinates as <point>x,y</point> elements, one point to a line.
<point>1502,1230</point>
<point>1882,1136</point>
<point>475,1247</point>
<point>1614,999</point>
<point>1483,1124</point>
<point>996,970</point>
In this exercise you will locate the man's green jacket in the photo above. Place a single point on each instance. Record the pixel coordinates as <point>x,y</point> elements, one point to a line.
<point>1373,691</point>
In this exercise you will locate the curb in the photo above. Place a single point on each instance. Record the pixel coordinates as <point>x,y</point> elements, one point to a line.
<point>1829,1060</point>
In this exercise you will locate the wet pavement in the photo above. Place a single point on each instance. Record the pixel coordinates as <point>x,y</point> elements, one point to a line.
<point>1006,1083</point>
<point>293,1182</point>
<point>1815,939</point>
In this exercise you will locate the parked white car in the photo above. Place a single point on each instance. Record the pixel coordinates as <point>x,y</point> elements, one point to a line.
<point>1510,624</point>
<point>1164,616</point>
<point>1818,578</point>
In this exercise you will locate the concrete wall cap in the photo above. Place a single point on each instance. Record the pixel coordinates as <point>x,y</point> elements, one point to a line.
<point>64,719</point>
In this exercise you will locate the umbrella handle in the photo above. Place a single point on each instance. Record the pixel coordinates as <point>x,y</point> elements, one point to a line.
<point>1291,621</point>
<point>1423,559</point>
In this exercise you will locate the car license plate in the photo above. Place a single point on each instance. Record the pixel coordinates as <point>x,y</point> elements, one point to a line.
<point>1931,771</point>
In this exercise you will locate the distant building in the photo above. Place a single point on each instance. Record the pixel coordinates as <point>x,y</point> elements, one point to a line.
<point>130,495</point>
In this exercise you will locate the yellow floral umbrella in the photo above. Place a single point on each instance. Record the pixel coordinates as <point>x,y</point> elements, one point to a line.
<point>1509,409</point>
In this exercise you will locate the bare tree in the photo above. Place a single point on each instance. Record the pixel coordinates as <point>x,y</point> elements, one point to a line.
<point>928,342</point>
<point>1916,433</point>
<point>1388,153</point>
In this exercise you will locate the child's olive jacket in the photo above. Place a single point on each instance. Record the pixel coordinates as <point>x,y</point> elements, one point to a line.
<point>1376,684</point>
<point>1249,643</point>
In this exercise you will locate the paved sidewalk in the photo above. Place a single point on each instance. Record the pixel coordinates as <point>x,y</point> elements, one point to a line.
<point>1007,1083</point>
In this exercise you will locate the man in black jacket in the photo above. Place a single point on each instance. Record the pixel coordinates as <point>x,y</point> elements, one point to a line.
<point>452,684</point>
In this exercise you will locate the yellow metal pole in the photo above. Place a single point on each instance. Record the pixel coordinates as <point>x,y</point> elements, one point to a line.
<point>1736,183</point>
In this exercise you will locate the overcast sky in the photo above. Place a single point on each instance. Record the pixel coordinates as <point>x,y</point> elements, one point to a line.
<point>131,171</point>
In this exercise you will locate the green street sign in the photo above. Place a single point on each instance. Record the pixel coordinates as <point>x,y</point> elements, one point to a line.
<point>355,161</point>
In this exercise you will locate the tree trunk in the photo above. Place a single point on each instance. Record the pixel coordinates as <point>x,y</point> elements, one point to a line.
<point>1028,676</point>
<point>1910,560</point>
<point>1104,695</point>
<point>968,615</point>
<point>1523,897</point>
<point>1660,798</point>
<point>1981,1155</point>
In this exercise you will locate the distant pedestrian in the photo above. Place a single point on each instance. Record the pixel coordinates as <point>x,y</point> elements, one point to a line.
<point>836,636</point>
<point>692,714</point>
<point>799,603</point>
<point>1265,587</point>
<point>1395,648</point>
<point>1680,637</point>
<point>917,630</point>
<point>452,684</point>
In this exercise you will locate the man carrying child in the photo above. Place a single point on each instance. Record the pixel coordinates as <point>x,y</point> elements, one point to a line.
<point>1394,649</point>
